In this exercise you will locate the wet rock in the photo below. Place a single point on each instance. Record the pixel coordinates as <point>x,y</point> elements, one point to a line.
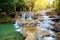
<point>58,36</point>
<point>56,27</point>
<point>51,14</point>
<point>35,16</point>
<point>29,32</point>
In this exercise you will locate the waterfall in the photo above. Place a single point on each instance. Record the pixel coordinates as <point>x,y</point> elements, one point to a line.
<point>42,25</point>
<point>17,25</point>
<point>29,16</point>
<point>45,25</point>
<point>23,15</point>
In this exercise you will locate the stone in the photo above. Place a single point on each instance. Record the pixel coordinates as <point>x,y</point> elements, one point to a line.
<point>58,36</point>
<point>29,32</point>
<point>56,27</point>
<point>35,16</point>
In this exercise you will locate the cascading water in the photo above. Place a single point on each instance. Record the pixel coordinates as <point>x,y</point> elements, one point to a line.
<point>45,25</point>
<point>18,26</point>
<point>29,16</point>
<point>23,15</point>
<point>42,25</point>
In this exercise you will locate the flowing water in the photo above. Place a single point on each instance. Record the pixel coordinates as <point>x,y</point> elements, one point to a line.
<point>41,25</point>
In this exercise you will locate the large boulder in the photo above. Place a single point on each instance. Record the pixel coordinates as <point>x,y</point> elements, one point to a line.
<point>30,32</point>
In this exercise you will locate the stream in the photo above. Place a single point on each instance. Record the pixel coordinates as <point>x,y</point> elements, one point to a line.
<point>44,24</point>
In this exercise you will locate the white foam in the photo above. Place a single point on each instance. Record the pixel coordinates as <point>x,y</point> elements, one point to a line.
<point>49,38</point>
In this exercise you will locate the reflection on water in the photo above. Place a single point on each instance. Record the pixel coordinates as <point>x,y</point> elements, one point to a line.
<point>41,25</point>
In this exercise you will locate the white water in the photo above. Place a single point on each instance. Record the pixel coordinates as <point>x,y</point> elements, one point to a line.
<point>44,25</point>
<point>29,16</point>
<point>23,15</point>
<point>49,38</point>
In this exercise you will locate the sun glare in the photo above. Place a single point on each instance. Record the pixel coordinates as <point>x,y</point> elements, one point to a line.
<point>51,1</point>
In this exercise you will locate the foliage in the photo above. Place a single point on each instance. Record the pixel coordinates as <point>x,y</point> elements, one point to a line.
<point>53,5</point>
<point>40,4</point>
<point>57,6</point>
<point>6,6</point>
<point>9,6</point>
<point>6,20</point>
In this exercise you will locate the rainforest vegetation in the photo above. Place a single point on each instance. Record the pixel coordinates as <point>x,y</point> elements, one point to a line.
<point>8,8</point>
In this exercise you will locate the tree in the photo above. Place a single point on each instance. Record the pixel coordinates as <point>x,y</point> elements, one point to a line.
<point>57,7</point>
<point>7,5</point>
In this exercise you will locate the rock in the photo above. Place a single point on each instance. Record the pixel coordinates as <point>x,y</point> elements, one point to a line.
<point>56,27</point>
<point>58,36</point>
<point>35,16</point>
<point>30,36</point>
<point>29,32</point>
<point>51,13</point>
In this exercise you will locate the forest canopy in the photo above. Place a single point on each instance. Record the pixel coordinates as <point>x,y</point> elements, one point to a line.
<point>8,8</point>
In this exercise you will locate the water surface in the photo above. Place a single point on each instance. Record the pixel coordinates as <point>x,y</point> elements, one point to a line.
<point>7,32</point>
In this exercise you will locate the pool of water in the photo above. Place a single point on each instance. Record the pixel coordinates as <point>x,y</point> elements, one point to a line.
<point>7,32</point>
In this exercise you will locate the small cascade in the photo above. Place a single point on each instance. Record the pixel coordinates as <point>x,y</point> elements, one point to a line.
<point>23,15</point>
<point>45,25</point>
<point>18,26</point>
<point>29,16</point>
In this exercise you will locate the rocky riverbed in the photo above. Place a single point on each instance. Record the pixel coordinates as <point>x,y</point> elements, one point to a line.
<point>38,24</point>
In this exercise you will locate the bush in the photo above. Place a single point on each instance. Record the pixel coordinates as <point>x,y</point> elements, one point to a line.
<point>6,20</point>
